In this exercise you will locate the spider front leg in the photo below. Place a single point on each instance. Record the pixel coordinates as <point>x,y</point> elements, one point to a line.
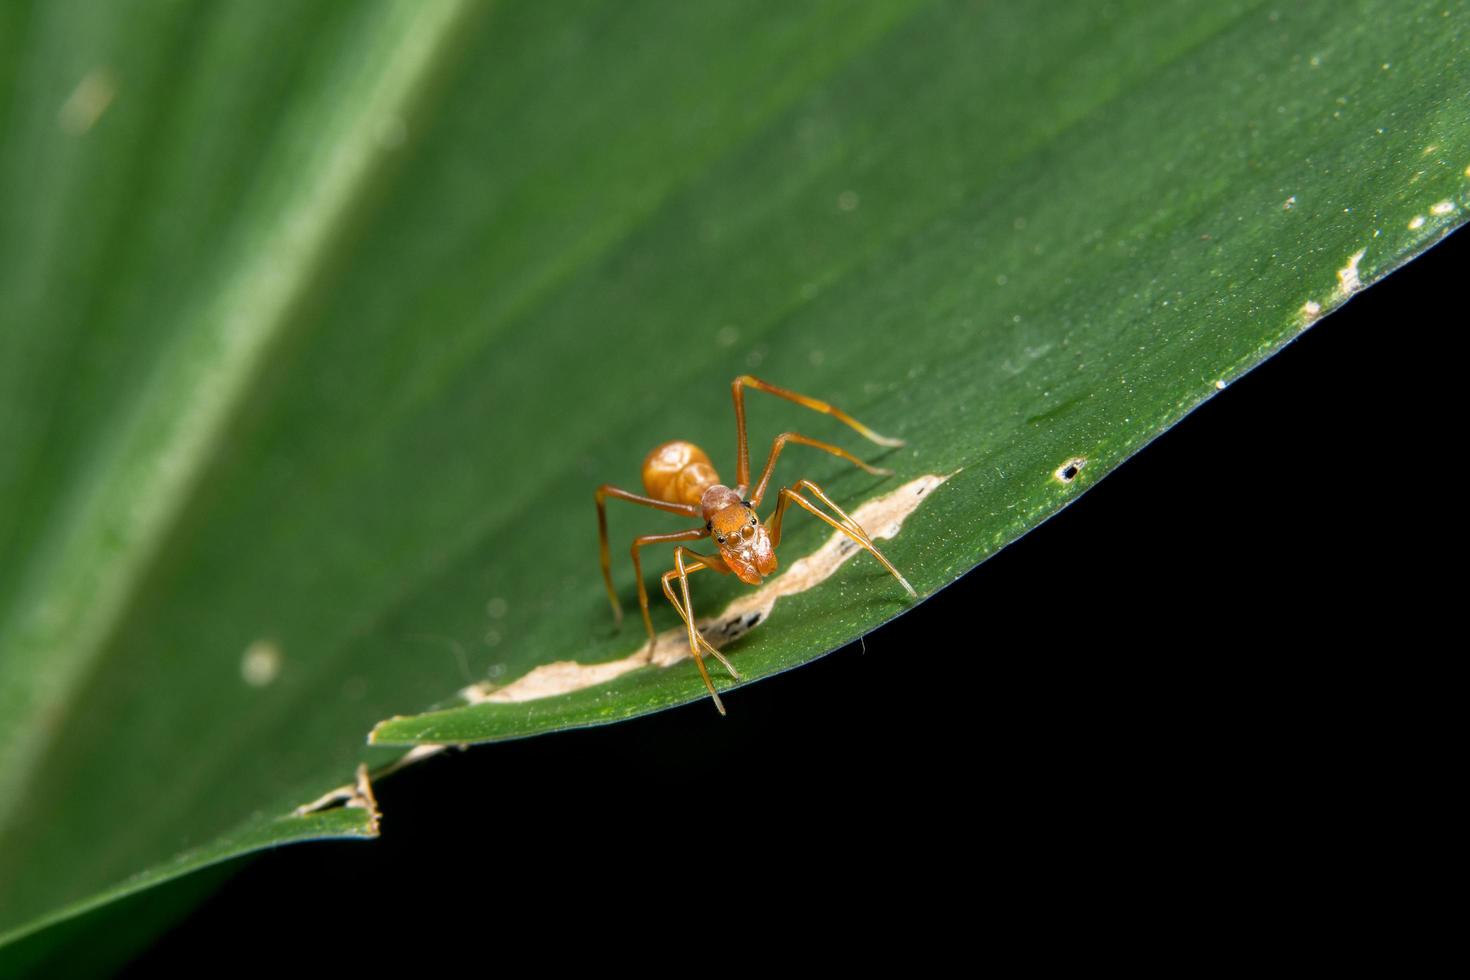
<point>779,444</point>
<point>617,493</point>
<point>688,618</point>
<point>693,534</point>
<point>849,527</point>
<point>742,449</point>
<point>686,612</point>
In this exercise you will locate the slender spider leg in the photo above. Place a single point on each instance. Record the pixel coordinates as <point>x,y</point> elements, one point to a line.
<point>693,534</point>
<point>780,444</point>
<point>608,490</point>
<point>687,612</point>
<point>687,617</point>
<point>849,527</point>
<point>742,462</point>
<point>852,525</point>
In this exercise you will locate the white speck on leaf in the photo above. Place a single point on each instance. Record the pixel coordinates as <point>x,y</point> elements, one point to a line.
<point>87,102</point>
<point>1347,277</point>
<point>261,663</point>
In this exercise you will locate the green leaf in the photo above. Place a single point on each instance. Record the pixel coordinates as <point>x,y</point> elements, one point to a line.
<point>254,834</point>
<point>321,325</point>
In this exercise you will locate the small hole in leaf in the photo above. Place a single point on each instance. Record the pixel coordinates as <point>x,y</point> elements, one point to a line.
<point>1068,471</point>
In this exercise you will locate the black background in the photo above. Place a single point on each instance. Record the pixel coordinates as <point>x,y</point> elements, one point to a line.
<point>1220,661</point>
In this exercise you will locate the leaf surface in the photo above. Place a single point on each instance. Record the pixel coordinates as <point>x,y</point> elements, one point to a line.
<point>321,326</point>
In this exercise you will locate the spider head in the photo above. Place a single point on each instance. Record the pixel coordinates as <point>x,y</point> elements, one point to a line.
<point>743,541</point>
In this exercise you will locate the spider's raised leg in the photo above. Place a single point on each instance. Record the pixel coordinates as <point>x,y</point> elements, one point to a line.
<point>742,462</point>
<point>849,527</point>
<point>780,443</point>
<point>608,490</point>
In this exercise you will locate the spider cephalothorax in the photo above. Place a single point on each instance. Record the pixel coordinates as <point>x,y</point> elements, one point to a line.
<point>744,542</point>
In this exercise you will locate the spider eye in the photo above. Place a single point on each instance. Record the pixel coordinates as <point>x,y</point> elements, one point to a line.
<point>722,539</point>
<point>752,520</point>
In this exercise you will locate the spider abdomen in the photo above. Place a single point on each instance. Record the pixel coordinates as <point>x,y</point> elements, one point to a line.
<point>678,472</point>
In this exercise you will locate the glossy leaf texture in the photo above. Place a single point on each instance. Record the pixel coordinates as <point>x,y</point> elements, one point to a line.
<point>320,326</point>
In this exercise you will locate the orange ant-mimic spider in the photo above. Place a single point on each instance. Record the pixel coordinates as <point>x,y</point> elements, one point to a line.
<point>680,479</point>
